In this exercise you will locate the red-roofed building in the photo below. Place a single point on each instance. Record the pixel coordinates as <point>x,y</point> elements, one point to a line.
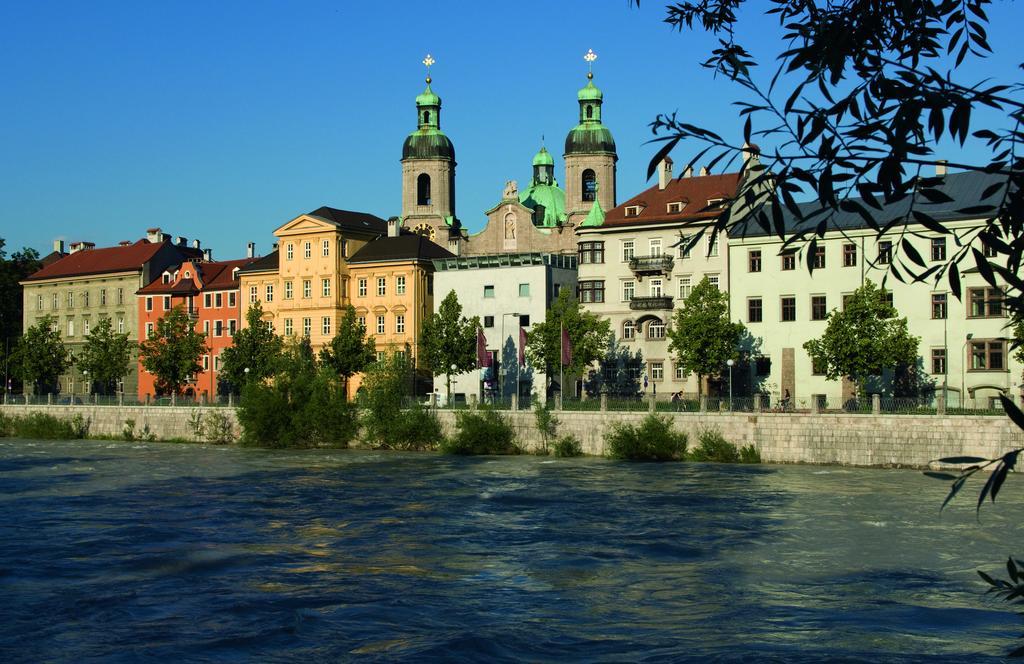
<point>208,291</point>
<point>88,284</point>
<point>635,271</point>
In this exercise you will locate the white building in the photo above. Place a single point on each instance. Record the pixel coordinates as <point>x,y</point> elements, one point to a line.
<point>507,291</point>
<point>964,344</point>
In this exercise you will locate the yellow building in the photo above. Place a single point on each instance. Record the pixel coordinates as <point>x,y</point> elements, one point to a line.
<point>393,288</point>
<point>303,286</point>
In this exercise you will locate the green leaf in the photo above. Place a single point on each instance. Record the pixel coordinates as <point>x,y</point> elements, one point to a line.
<point>962,459</point>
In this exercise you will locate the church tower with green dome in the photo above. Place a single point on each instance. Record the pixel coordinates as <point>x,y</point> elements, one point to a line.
<point>589,156</point>
<point>428,172</point>
<point>544,197</point>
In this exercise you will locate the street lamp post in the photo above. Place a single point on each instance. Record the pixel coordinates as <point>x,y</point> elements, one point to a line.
<point>88,386</point>
<point>730,362</point>
<point>963,371</point>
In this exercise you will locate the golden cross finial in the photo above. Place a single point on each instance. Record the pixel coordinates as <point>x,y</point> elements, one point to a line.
<point>590,57</point>
<point>429,60</point>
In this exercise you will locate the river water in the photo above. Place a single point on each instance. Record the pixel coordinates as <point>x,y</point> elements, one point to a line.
<point>130,551</point>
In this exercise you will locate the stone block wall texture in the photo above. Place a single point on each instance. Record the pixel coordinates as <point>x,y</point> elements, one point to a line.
<point>834,439</point>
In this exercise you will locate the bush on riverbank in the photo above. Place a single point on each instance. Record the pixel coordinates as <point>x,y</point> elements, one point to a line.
<point>653,440</point>
<point>485,431</point>
<point>713,447</point>
<point>567,446</point>
<point>45,427</point>
<point>388,418</point>
<point>304,406</point>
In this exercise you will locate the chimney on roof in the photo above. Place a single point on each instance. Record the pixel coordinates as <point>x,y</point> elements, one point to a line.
<point>181,241</point>
<point>274,248</point>
<point>124,243</point>
<point>250,250</point>
<point>393,227</point>
<point>207,255</point>
<point>940,167</point>
<point>751,155</point>
<point>196,244</point>
<point>154,235</point>
<point>703,171</point>
<point>664,172</point>
<point>688,173</point>
<point>58,246</point>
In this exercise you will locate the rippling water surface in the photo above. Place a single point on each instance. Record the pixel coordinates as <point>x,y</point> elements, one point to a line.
<point>128,551</point>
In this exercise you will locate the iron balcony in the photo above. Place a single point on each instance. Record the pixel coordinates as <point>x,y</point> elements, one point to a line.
<point>660,264</point>
<point>650,302</point>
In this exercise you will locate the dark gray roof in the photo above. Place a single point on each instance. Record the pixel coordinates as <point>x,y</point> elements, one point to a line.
<point>353,221</point>
<point>404,247</point>
<point>268,262</point>
<point>965,189</point>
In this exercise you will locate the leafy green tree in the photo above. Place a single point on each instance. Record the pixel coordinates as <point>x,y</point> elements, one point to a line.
<point>863,339</point>
<point>702,336</point>
<point>172,352</point>
<point>588,334</point>
<point>388,417</point>
<point>106,355</point>
<point>12,271</point>
<point>350,351</point>
<point>254,347</point>
<point>448,341</point>
<point>40,356</point>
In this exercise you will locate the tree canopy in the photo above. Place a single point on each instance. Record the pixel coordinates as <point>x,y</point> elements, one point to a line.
<point>350,351</point>
<point>13,270</point>
<point>587,332</point>
<point>863,338</point>
<point>448,341</point>
<point>173,351</point>
<point>106,355</point>
<point>255,347</point>
<point>701,336</point>
<point>40,356</point>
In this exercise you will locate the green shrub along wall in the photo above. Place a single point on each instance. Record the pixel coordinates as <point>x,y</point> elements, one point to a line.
<point>857,440</point>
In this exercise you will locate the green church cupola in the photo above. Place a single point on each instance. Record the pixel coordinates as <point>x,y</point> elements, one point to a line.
<point>428,141</point>
<point>590,136</point>
<point>543,167</point>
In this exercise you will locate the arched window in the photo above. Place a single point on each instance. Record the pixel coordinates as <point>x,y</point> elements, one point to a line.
<point>426,117</point>
<point>589,181</point>
<point>628,330</point>
<point>423,189</point>
<point>590,112</point>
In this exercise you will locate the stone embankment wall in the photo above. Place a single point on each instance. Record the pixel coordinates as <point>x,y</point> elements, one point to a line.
<point>856,440</point>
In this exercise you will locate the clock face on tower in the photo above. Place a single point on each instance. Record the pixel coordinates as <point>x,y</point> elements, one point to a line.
<point>426,230</point>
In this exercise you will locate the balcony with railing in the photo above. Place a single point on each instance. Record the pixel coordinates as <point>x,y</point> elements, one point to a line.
<point>650,302</point>
<point>659,264</point>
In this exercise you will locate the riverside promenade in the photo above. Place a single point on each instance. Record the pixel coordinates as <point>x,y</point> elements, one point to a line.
<point>862,439</point>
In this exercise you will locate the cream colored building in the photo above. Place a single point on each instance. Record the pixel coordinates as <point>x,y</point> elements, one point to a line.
<point>964,344</point>
<point>635,269</point>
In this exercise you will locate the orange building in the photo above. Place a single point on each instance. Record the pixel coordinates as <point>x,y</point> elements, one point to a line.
<point>208,291</point>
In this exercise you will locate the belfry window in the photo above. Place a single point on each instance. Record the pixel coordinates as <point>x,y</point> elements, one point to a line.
<point>423,189</point>
<point>589,185</point>
<point>426,117</point>
<point>590,112</point>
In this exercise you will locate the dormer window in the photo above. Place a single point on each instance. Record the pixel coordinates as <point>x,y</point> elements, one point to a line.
<point>633,210</point>
<point>675,207</point>
<point>188,275</point>
<point>167,278</point>
<point>716,202</point>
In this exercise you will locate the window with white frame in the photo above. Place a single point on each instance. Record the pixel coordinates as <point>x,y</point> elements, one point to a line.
<point>307,250</point>
<point>326,287</point>
<point>253,295</point>
<point>628,290</point>
<point>655,287</point>
<point>657,371</point>
<point>400,323</point>
<point>149,303</point>
<point>685,248</point>
<point>655,246</point>
<point>103,297</point>
<point>120,326</point>
<point>288,290</point>
<point>307,288</point>
<point>56,301</point>
<point>713,244</point>
<point>149,330</point>
<point>289,251</point>
<point>85,326</point>
<point>270,292</point>
<point>685,286</point>
<point>218,328</point>
<point>382,286</point>
<point>380,325</point>
<point>325,326</point>
<point>400,284</point>
<point>307,327</point>
<point>232,327</point>
<point>167,302</point>
<point>288,330</point>
<point>326,247</point>
<point>655,330</point>
<point>120,296</point>
<point>628,329</point>
<point>713,279</point>
<point>628,250</point>
<point>680,371</point>
<point>208,300</point>
<point>361,288</point>
<point>39,302</point>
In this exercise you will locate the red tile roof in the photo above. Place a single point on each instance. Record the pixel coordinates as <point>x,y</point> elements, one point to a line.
<point>695,192</point>
<point>215,275</point>
<point>98,261</point>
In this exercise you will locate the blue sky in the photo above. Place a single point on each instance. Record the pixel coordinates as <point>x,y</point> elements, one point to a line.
<point>223,120</point>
